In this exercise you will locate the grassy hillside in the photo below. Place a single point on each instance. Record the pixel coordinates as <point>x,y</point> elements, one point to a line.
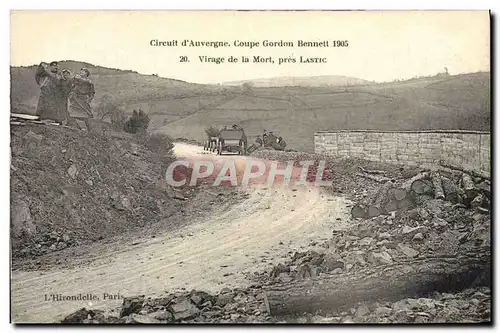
<point>455,102</point>
<point>183,109</point>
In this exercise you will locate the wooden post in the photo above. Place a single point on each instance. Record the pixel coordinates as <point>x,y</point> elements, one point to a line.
<point>436,183</point>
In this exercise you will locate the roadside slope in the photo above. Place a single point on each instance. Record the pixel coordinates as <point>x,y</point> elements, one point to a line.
<point>213,252</point>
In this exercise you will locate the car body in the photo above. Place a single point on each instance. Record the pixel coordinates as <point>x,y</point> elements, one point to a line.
<point>232,140</point>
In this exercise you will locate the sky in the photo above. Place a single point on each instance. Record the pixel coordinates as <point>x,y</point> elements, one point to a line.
<point>382,46</point>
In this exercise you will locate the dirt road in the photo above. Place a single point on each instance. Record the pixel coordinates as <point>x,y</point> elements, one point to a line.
<point>208,255</point>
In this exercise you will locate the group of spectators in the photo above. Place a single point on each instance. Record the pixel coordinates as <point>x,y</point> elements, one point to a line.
<point>138,122</point>
<point>64,98</point>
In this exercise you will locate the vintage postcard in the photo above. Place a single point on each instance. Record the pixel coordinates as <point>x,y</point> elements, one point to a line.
<point>258,167</point>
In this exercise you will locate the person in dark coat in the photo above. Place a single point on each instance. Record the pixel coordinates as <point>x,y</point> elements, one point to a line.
<point>143,120</point>
<point>133,123</point>
<point>80,97</point>
<point>52,102</point>
<point>64,87</point>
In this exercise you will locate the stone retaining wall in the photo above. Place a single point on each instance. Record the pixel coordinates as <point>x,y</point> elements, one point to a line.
<point>460,148</point>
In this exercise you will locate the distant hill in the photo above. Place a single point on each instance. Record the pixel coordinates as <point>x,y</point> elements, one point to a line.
<point>183,109</point>
<point>303,81</point>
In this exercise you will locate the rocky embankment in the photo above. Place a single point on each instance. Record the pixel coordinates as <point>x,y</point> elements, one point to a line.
<point>434,237</point>
<point>71,187</point>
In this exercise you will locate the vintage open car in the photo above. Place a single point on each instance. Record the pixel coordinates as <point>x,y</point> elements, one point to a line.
<point>232,140</point>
